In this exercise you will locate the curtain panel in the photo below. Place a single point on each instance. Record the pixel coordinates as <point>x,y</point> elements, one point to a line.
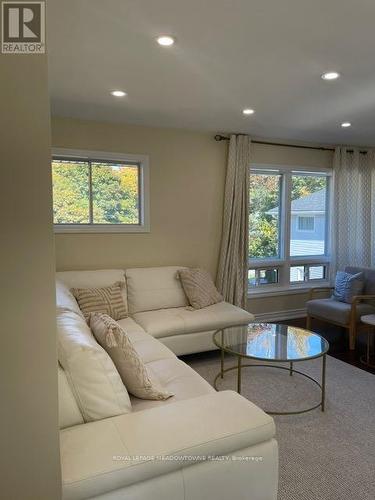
<point>354,207</point>
<point>233,260</point>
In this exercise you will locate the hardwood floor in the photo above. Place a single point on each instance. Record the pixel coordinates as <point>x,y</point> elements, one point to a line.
<point>338,341</point>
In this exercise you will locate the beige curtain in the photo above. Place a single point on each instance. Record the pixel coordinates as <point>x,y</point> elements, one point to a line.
<point>354,217</point>
<point>233,262</point>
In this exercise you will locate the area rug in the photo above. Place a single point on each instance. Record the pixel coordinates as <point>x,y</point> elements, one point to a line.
<point>323,456</point>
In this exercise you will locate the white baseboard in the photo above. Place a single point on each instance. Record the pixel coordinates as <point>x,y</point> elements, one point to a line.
<point>281,315</point>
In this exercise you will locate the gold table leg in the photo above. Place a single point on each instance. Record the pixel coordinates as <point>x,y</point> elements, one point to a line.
<point>323,382</point>
<point>368,347</point>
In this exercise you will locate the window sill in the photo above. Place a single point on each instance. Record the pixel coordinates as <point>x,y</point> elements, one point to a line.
<point>274,291</point>
<point>101,228</point>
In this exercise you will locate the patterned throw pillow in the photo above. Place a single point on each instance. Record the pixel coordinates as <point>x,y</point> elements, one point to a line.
<point>347,286</point>
<point>137,379</point>
<point>106,300</point>
<point>199,287</point>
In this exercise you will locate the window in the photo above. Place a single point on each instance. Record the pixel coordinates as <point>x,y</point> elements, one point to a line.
<point>307,272</point>
<point>267,276</point>
<point>99,192</point>
<point>264,223</point>
<point>306,223</point>
<point>288,226</point>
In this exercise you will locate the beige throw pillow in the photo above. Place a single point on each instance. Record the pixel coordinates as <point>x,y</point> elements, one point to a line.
<point>199,287</point>
<point>107,300</point>
<point>133,372</point>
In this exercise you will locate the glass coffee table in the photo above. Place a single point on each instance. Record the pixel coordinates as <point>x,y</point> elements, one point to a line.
<point>273,343</point>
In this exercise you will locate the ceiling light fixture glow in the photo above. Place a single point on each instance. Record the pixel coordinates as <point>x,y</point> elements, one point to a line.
<point>346,124</point>
<point>118,93</point>
<point>330,75</point>
<point>165,40</point>
<point>248,111</point>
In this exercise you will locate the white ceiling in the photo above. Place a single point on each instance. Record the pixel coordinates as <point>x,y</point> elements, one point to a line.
<point>230,54</point>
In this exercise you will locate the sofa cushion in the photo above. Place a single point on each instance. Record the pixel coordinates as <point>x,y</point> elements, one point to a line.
<point>147,347</point>
<point>69,413</point>
<point>227,423</point>
<point>92,376</point>
<point>176,377</point>
<point>138,379</point>
<point>154,288</point>
<point>338,312</point>
<point>182,320</point>
<point>94,279</point>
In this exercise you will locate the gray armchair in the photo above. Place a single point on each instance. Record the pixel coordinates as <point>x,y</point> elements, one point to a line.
<point>340,313</point>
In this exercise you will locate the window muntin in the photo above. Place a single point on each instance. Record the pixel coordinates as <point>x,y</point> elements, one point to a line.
<point>297,261</point>
<point>264,218</point>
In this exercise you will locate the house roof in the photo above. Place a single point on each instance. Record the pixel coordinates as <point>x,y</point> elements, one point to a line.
<point>314,202</point>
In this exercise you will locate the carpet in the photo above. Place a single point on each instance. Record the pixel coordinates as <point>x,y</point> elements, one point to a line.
<point>323,456</point>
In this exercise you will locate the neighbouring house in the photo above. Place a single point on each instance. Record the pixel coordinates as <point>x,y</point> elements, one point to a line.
<point>307,228</point>
<point>307,224</point>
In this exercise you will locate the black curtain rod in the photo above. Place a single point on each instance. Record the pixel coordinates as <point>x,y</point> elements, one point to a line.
<point>220,138</point>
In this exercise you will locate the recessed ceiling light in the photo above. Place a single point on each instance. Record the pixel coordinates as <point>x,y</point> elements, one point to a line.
<point>118,93</point>
<point>165,40</point>
<point>248,111</point>
<point>331,75</point>
<point>346,124</point>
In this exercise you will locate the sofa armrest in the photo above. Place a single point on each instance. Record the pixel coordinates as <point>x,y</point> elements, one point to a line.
<point>312,291</point>
<point>109,454</point>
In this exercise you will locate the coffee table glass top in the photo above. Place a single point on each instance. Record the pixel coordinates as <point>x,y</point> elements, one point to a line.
<point>271,342</point>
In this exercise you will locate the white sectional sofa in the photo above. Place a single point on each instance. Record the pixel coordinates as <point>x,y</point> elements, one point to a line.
<point>171,443</point>
<point>157,302</point>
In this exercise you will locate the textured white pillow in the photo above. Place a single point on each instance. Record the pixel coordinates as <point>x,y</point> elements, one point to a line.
<point>129,364</point>
<point>199,287</point>
<point>92,376</point>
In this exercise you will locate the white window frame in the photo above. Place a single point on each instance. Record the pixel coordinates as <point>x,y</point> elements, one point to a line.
<point>305,230</point>
<point>144,184</point>
<point>285,261</point>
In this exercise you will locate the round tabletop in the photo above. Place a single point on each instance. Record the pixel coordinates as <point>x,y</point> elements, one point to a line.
<point>271,342</point>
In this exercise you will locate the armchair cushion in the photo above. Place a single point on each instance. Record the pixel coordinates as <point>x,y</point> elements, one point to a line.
<point>336,311</point>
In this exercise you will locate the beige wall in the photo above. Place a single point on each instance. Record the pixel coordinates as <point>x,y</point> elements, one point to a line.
<point>187,180</point>
<point>187,183</point>
<point>30,462</point>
